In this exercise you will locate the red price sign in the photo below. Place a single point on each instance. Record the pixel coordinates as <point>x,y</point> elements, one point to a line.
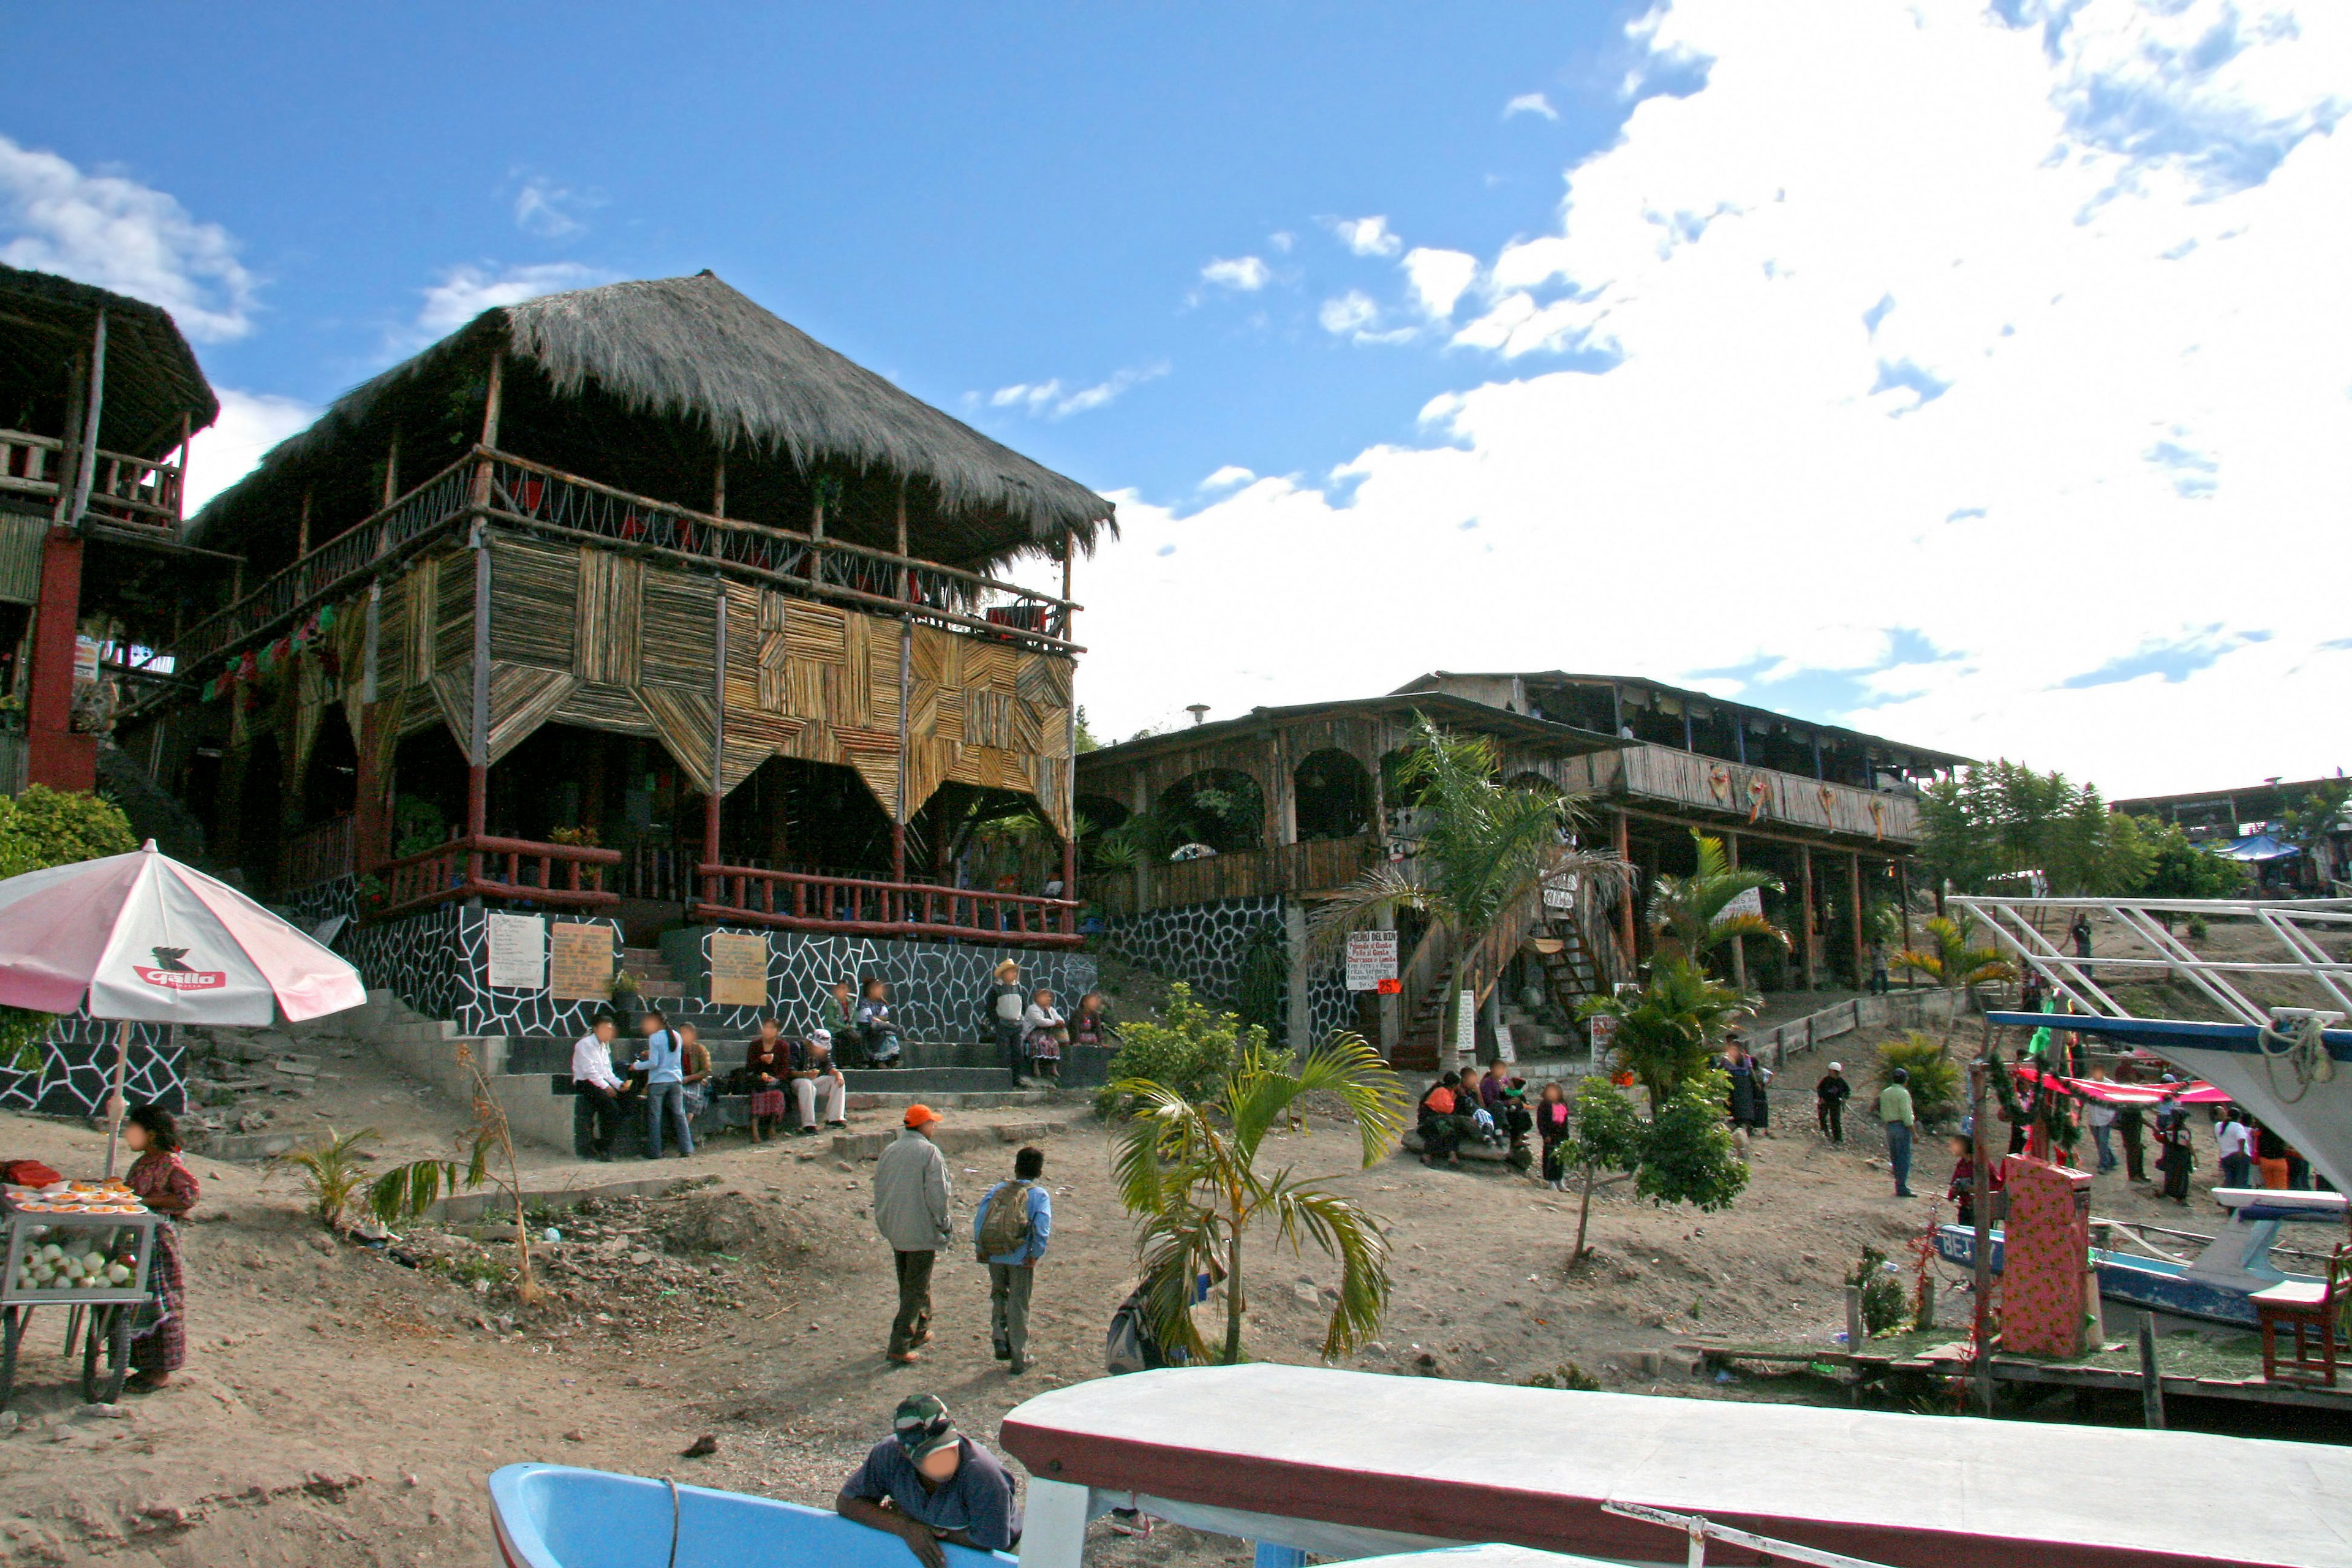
<point>1391,987</point>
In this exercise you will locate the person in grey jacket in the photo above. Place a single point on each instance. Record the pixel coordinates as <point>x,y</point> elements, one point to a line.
<point>912,1206</point>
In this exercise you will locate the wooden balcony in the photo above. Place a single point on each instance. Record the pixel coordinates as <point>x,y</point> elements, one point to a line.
<point>135,493</point>
<point>1296,870</point>
<point>316,855</point>
<point>797,901</point>
<point>508,492</point>
<point>1691,781</point>
<point>509,872</point>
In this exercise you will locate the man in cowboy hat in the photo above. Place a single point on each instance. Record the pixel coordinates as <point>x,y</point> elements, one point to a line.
<point>912,1204</point>
<point>926,1483</point>
<point>1004,1006</point>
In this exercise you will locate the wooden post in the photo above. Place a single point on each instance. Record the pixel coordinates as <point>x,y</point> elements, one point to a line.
<point>477,753</point>
<point>369,846</point>
<point>906,578</point>
<point>1813,937</point>
<point>1861,938</point>
<point>392,456</point>
<point>1739,737</point>
<point>1902,892</point>
<point>1070,771</point>
<point>816,529</point>
<point>1817,755</point>
<point>1738,944</point>
<point>906,684</point>
<point>1620,825</point>
<point>85,460</point>
<point>1980,1204</point>
<point>711,802</point>
<point>719,487</point>
<point>1856,1334</point>
<point>2151,1376</point>
<point>302,528</point>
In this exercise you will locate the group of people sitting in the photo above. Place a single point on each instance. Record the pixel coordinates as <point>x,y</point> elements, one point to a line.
<point>1490,1109</point>
<point>1031,1028</point>
<point>671,1072</point>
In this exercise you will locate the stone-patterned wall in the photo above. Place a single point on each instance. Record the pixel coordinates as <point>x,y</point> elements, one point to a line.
<point>322,901</point>
<point>1205,944</point>
<point>77,1068</point>
<point>438,962</point>
<point>937,988</point>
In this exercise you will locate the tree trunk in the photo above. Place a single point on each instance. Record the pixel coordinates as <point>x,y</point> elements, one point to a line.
<point>1234,1293</point>
<point>1583,1213</point>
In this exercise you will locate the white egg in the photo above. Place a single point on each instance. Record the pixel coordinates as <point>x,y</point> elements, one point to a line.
<point>118,1274</point>
<point>52,1252</point>
<point>93,1260</point>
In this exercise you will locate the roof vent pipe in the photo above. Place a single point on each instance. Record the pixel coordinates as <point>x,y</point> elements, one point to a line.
<point>1199,710</point>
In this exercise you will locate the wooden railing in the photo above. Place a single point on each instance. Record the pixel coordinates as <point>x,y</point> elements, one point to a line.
<point>135,492</point>
<point>1738,789</point>
<point>506,871</point>
<point>797,901</point>
<point>1317,866</point>
<point>317,855</point>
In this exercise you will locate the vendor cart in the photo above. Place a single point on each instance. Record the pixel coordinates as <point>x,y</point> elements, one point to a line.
<point>122,1235</point>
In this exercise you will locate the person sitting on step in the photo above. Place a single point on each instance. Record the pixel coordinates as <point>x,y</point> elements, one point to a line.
<point>879,1034</point>
<point>814,1079</point>
<point>1043,1031</point>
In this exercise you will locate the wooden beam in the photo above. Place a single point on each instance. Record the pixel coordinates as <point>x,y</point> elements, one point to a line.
<point>1738,944</point>
<point>1622,827</point>
<point>1070,781</point>
<point>712,803</point>
<point>86,460</point>
<point>1861,938</point>
<point>1812,938</point>
<point>391,471</point>
<point>719,487</point>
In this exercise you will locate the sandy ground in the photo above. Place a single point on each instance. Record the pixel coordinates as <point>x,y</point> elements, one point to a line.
<point>342,1409</point>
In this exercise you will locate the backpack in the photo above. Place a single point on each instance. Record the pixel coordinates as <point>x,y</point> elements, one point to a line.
<point>1131,1346</point>
<point>1006,1227</point>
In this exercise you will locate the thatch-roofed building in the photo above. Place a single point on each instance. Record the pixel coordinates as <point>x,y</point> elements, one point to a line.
<point>99,395</point>
<point>637,602</point>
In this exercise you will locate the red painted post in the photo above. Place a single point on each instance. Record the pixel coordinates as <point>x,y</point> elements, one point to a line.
<point>56,756</point>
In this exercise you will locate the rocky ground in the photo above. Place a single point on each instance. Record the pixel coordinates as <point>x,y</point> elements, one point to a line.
<point>343,1403</point>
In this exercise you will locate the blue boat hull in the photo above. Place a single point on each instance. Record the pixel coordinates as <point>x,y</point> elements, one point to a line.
<point>2147,1284</point>
<point>556,1516</point>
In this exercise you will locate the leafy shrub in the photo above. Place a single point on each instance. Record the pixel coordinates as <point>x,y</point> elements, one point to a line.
<point>1690,1158</point>
<point>43,828</point>
<point>1191,1048</point>
<point>332,1171</point>
<point>1935,1077</point>
<point>1882,1294</point>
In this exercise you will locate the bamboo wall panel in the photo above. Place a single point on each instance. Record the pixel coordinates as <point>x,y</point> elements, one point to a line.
<point>453,602</point>
<point>677,639</point>
<point>610,614</point>
<point>533,590</point>
<point>613,709</point>
<point>452,693</point>
<point>420,591</point>
<point>522,698</point>
<point>684,719</point>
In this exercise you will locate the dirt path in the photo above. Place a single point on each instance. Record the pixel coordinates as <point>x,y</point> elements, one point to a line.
<point>342,1409</point>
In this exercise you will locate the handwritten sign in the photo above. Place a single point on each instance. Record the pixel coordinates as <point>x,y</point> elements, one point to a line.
<point>739,969</point>
<point>1371,958</point>
<point>1465,1024</point>
<point>1561,894</point>
<point>582,962</point>
<point>517,945</point>
<point>1603,1029</point>
<point>1749,902</point>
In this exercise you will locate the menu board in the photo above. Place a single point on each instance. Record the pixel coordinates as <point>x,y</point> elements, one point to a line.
<point>517,945</point>
<point>738,970</point>
<point>582,962</point>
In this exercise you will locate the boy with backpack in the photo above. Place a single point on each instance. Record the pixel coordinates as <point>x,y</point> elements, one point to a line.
<point>1009,1231</point>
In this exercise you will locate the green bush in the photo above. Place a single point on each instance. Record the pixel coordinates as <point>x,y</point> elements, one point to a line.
<point>1935,1077</point>
<point>1882,1294</point>
<point>40,829</point>
<point>1191,1048</point>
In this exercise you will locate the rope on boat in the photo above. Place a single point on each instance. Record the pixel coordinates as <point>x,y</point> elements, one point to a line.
<point>2135,1234</point>
<point>2303,1049</point>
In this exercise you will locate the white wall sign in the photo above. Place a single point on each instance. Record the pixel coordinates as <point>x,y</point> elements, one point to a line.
<point>518,952</point>
<point>1603,1030</point>
<point>1371,958</point>
<point>1750,902</point>
<point>1465,1024</point>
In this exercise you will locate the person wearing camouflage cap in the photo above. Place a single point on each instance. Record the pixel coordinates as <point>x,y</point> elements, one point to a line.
<point>928,1483</point>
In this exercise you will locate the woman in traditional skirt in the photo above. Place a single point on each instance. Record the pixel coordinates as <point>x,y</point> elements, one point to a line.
<point>159,1345</point>
<point>767,1061</point>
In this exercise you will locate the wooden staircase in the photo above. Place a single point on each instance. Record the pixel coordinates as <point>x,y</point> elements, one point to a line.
<point>1577,967</point>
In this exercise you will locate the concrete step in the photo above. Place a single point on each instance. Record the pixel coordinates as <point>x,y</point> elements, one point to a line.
<point>951,1139</point>
<point>952,1099</point>
<point>928,1080</point>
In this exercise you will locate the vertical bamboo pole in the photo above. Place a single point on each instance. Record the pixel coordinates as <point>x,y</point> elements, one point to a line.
<point>712,803</point>
<point>1620,826</point>
<point>392,454</point>
<point>478,759</point>
<point>180,472</point>
<point>86,465</point>
<point>302,528</point>
<point>1813,937</point>
<point>906,671</point>
<point>1070,760</point>
<point>1980,1204</point>
<point>1902,891</point>
<point>368,847</point>
<point>1861,941</point>
<point>719,487</point>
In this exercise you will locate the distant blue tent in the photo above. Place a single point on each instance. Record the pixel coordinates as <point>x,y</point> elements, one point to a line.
<point>2257,847</point>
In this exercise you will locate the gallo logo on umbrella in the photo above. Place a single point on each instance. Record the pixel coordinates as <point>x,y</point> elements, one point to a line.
<point>176,976</point>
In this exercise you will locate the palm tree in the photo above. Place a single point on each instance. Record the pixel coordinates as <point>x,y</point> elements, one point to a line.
<point>1669,1029</point>
<point>1947,959</point>
<point>1487,846</point>
<point>1187,1170</point>
<point>1687,913</point>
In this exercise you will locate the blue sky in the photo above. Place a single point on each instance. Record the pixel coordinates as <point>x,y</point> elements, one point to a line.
<point>1964,373</point>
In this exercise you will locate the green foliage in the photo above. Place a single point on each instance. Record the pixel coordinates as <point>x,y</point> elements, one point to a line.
<point>417,825</point>
<point>2179,869</point>
<point>2321,814</point>
<point>1882,1294</point>
<point>1935,1080</point>
<point>40,829</point>
<point>1225,810</point>
<point>332,1171</point>
<point>1668,1029</point>
<point>1086,741</point>
<point>1684,1154</point>
<point>1186,1167</point>
<point>1190,1050</point>
<point>2002,820</point>
<point>1948,955</point>
<point>1688,912</point>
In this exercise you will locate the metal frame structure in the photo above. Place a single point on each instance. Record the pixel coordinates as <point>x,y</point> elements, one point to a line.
<point>2293,922</point>
<point>1701,1530</point>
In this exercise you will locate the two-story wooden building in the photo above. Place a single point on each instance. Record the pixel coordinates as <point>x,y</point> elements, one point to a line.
<point>1299,800</point>
<point>638,606</point>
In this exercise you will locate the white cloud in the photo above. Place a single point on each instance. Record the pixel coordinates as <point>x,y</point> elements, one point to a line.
<point>250,423</point>
<point>1226,478</point>
<point>1244,274</point>
<point>112,231</point>
<point>464,292</point>
<point>1530,103</point>
<point>551,211</point>
<point>1439,277</point>
<point>1050,400</point>
<point>1367,235</point>
<point>2112,406</point>
<point>1349,315</point>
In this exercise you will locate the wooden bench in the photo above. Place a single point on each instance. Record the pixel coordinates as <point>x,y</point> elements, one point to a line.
<point>1351,1464</point>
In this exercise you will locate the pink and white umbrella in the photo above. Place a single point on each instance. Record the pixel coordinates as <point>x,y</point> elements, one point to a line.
<point>147,940</point>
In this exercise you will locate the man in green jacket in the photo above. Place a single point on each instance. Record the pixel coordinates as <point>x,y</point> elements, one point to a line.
<point>1895,1110</point>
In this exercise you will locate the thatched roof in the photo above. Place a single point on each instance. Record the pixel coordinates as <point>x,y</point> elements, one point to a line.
<point>152,376</point>
<point>698,357</point>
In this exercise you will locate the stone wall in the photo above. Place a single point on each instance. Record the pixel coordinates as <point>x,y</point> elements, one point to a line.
<point>937,988</point>
<point>1204,946</point>
<point>77,1069</point>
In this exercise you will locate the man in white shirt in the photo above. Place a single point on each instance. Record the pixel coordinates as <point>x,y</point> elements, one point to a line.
<point>817,1083</point>
<point>2235,1140</point>
<point>596,1091</point>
